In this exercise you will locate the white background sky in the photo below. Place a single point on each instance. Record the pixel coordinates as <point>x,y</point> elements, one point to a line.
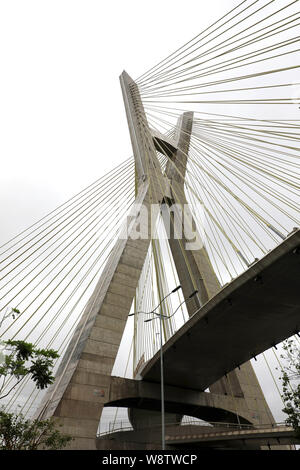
<point>62,121</point>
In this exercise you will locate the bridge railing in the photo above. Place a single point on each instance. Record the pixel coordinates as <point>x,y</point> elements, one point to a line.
<point>125,426</point>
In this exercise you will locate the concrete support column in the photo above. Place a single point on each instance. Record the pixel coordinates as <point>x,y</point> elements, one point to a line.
<point>195,271</point>
<point>76,398</point>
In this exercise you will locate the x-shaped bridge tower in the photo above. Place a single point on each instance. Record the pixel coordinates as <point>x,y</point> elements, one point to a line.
<point>83,379</point>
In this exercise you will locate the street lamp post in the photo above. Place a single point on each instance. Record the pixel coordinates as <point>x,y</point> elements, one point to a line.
<point>161,317</point>
<point>163,438</point>
<point>162,392</point>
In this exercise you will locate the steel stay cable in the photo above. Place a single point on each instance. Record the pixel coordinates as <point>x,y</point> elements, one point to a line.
<point>66,246</point>
<point>53,236</point>
<point>197,121</point>
<point>98,258</point>
<point>223,66</point>
<point>47,241</point>
<point>261,169</point>
<point>214,138</point>
<point>230,132</point>
<point>248,160</point>
<point>206,131</point>
<point>234,133</point>
<point>216,222</point>
<point>58,224</point>
<point>221,70</point>
<point>56,286</point>
<point>125,164</point>
<point>53,269</point>
<point>237,215</point>
<point>171,93</point>
<point>213,198</point>
<point>154,67</point>
<point>223,148</point>
<point>215,246</point>
<point>223,44</point>
<point>228,80</point>
<point>219,226</point>
<point>98,181</point>
<point>249,228</point>
<point>80,316</point>
<point>180,241</point>
<point>157,91</point>
<point>49,254</point>
<point>234,128</point>
<point>282,210</point>
<point>256,213</point>
<point>268,175</point>
<point>231,27</point>
<point>252,182</point>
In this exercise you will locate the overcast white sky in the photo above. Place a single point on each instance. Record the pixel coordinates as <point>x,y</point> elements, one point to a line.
<point>62,121</point>
<point>61,112</point>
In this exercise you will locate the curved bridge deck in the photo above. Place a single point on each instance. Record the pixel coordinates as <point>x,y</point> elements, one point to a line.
<point>239,438</point>
<point>200,435</point>
<point>257,310</point>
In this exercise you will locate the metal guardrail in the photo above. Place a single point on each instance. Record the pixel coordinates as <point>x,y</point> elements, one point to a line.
<point>123,426</point>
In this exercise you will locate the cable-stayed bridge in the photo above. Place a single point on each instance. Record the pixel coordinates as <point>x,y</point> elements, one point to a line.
<point>210,202</point>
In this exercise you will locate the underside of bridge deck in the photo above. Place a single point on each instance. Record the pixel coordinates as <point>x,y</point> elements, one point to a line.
<point>257,310</point>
